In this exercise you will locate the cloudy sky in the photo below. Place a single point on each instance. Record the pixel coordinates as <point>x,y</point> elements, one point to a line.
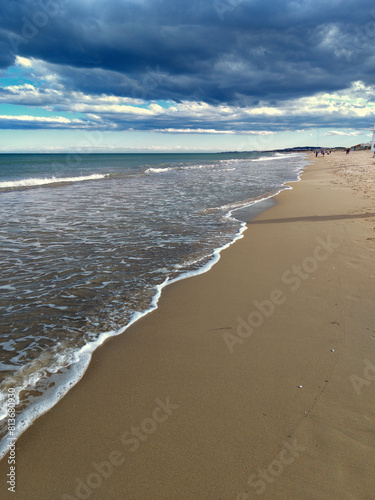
<point>185,75</point>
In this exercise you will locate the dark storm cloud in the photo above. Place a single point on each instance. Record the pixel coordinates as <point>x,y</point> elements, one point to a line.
<point>220,51</point>
<point>6,58</point>
<point>274,124</point>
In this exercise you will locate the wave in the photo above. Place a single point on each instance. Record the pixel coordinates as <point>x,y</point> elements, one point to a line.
<point>33,182</point>
<point>270,158</point>
<point>157,170</point>
<point>277,156</point>
<point>232,207</point>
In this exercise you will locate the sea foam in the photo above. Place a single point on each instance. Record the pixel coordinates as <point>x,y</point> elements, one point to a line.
<point>49,180</point>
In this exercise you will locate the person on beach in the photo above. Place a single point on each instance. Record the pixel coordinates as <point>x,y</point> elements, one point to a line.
<point>316,153</point>
<point>348,151</point>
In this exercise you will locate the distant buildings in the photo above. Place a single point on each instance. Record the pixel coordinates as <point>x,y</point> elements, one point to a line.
<point>358,147</point>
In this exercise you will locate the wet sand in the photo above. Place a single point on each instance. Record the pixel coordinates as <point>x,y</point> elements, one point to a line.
<point>254,380</point>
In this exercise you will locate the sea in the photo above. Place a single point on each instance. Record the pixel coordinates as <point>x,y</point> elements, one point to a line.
<point>88,241</point>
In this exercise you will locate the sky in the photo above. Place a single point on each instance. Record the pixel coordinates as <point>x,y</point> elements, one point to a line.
<point>185,75</point>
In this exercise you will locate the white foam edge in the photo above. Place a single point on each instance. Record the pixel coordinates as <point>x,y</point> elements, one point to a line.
<point>154,170</point>
<point>35,182</point>
<point>278,156</point>
<point>83,356</point>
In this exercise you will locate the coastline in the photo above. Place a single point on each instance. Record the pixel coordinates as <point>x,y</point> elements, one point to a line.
<point>81,359</point>
<point>233,387</point>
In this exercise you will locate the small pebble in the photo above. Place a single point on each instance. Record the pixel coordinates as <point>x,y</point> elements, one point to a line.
<point>300,386</point>
<point>332,350</point>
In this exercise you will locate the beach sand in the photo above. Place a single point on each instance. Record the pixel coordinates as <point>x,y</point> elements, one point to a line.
<point>253,380</point>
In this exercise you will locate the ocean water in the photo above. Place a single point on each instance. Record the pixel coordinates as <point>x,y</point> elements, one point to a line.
<point>87,242</point>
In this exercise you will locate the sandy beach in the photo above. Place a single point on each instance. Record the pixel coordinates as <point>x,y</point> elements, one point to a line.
<point>253,380</point>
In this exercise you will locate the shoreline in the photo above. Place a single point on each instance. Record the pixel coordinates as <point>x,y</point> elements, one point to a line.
<point>84,355</point>
<point>210,418</point>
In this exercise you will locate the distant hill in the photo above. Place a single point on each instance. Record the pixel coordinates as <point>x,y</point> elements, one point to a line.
<point>290,150</point>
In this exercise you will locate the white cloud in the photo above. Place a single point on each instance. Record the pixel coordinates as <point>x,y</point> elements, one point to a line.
<point>23,61</point>
<point>355,101</point>
<point>346,133</point>
<point>116,109</point>
<point>212,131</point>
<point>264,111</point>
<point>16,89</point>
<point>42,119</point>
